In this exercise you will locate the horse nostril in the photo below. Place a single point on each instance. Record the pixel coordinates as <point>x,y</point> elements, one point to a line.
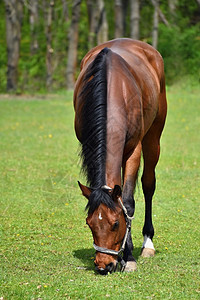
<point>102,271</point>
<point>110,267</point>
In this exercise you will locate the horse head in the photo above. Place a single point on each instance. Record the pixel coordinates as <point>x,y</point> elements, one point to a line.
<point>107,222</point>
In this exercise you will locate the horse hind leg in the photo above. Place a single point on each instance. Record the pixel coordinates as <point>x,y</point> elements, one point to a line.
<point>151,152</point>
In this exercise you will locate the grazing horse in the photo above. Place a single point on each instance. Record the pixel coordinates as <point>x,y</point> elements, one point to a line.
<point>120,110</point>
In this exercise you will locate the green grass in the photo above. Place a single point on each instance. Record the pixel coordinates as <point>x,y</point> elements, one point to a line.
<point>46,248</point>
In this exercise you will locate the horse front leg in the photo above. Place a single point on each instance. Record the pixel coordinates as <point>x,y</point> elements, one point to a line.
<point>130,171</point>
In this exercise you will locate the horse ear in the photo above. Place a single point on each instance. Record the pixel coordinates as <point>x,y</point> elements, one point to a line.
<point>86,191</point>
<point>116,193</point>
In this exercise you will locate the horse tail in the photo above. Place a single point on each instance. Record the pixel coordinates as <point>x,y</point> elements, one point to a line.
<point>94,119</point>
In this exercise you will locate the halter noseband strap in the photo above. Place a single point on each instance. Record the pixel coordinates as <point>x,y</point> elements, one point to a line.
<point>128,228</point>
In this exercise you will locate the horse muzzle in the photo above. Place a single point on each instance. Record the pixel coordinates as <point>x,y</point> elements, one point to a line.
<point>110,268</point>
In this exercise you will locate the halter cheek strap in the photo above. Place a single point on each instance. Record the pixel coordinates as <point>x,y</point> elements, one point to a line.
<point>128,228</point>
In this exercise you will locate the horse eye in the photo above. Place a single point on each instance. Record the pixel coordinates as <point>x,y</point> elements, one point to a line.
<point>115,226</point>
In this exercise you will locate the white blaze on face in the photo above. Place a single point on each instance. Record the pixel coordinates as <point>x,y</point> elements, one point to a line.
<point>100,217</point>
<point>148,243</point>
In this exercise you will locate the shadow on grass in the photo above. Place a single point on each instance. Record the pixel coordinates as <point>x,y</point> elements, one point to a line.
<point>86,256</point>
<point>136,253</point>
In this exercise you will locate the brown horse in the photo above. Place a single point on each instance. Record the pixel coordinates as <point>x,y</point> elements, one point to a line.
<point>120,109</point>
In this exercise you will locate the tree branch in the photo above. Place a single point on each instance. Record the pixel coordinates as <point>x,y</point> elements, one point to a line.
<point>161,14</point>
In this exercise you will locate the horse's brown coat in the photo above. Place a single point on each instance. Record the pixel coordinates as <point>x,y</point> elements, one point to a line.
<point>136,111</point>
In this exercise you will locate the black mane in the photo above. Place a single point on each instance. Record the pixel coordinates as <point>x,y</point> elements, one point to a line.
<point>93,121</point>
<point>97,197</point>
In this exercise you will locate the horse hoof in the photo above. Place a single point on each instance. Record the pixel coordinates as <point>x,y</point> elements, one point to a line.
<point>147,252</point>
<point>131,266</point>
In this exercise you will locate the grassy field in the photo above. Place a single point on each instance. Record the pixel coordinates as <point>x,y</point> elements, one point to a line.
<point>46,248</point>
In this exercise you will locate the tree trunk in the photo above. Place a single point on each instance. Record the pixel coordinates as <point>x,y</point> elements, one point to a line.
<point>34,25</point>
<point>14,14</point>
<point>49,53</point>
<point>65,11</point>
<point>198,1</point>
<point>73,44</point>
<point>135,19</point>
<point>155,25</point>
<point>172,10</point>
<point>161,15</point>
<point>118,19</point>
<point>125,8</point>
<point>102,31</point>
<point>93,16</point>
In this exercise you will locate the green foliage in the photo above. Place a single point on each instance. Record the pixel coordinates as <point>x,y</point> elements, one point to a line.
<point>146,23</point>
<point>3,52</point>
<point>83,33</point>
<point>180,50</point>
<point>179,44</point>
<point>187,13</point>
<point>46,248</point>
<point>189,49</point>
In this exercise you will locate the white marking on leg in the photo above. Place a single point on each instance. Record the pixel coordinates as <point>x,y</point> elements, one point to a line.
<point>148,243</point>
<point>100,217</point>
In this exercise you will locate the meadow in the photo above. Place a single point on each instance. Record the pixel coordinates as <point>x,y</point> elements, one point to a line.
<point>45,246</point>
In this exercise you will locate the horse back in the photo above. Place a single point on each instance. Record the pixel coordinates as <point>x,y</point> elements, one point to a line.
<point>135,81</point>
<point>139,73</point>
